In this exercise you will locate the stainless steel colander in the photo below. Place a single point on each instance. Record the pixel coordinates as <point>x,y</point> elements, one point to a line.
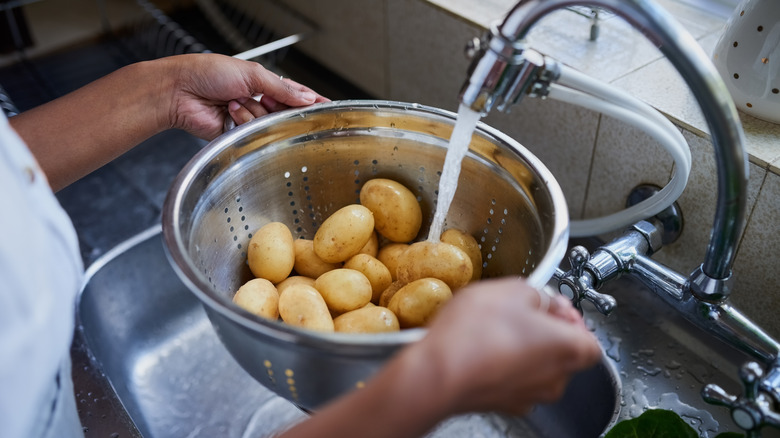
<point>301,165</point>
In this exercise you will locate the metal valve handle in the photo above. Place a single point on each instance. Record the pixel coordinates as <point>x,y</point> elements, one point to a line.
<point>577,283</point>
<point>751,411</point>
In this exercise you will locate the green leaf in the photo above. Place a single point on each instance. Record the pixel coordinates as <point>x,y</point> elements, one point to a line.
<point>654,423</point>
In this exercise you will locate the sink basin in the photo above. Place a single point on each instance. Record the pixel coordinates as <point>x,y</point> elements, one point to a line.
<point>161,359</point>
<point>153,342</point>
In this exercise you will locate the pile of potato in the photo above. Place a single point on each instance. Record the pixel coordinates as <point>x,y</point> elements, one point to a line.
<point>345,280</point>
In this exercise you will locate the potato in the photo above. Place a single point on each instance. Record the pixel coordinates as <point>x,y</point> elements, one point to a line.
<point>307,263</point>
<point>387,294</point>
<point>344,233</point>
<point>372,246</point>
<point>439,260</point>
<point>302,306</point>
<point>417,302</point>
<point>271,253</point>
<point>367,320</point>
<point>376,272</point>
<point>344,289</point>
<point>469,245</point>
<point>388,255</point>
<point>295,279</point>
<point>397,213</point>
<point>258,296</point>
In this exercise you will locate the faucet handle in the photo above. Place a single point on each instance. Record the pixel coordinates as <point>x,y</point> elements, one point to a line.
<point>751,411</point>
<point>577,283</point>
<point>578,257</point>
<point>602,302</point>
<point>715,395</point>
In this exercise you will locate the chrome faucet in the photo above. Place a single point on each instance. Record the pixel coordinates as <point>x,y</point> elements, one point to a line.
<point>505,69</point>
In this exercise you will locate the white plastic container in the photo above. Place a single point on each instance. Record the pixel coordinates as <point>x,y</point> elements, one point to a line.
<point>748,58</point>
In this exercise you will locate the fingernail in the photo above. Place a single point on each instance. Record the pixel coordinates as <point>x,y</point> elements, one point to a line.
<point>309,96</point>
<point>233,106</point>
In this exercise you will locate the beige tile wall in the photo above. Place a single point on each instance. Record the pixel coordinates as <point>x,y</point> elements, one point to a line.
<point>756,268</point>
<point>350,39</point>
<point>349,35</point>
<point>560,135</point>
<point>596,160</point>
<point>698,206</point>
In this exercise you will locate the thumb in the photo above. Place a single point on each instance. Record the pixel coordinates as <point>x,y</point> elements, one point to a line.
<point>286,91</point>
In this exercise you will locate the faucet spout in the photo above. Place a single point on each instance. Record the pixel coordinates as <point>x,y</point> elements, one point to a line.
<point>504,69</point>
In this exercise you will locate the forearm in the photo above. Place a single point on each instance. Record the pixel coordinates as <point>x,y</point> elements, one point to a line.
<point>401,401</point>
<point>79,132</point>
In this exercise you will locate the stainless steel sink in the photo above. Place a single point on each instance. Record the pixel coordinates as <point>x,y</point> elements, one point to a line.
<point>152,342</point>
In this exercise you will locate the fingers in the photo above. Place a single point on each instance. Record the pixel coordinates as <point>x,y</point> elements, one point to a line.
<point>585,351</point>
<point>516,290</point>
<point>271,105</point>
<point>284,91</point>
<point>562,308</point>
<point>577,348</point>
<point>245,110</point>
<point>298,86</point>
<point>516,346</point>
<point>554,304</point>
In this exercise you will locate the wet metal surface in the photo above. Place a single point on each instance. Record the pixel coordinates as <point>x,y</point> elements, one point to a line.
<point>150,338</point>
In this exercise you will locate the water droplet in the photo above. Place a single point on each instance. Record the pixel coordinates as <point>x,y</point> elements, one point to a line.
<point>613,350</point>
<point>636,400</point>
<point>699,372</point>
<point>699,419</point>
<point>673,365</point>
<point>654,371</point>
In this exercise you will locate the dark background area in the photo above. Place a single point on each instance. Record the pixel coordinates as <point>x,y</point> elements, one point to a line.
<point>125,197</point>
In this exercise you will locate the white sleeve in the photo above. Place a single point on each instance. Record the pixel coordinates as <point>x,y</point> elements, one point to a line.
<point>41,272</point>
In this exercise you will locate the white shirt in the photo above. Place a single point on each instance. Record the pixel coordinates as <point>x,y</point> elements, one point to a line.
<point>40,275</point>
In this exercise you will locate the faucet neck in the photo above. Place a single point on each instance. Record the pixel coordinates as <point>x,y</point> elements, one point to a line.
<point>696,69</point>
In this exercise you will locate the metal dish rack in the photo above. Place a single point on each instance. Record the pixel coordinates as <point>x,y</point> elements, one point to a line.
<point>259,30</point>
<point>222,26</point>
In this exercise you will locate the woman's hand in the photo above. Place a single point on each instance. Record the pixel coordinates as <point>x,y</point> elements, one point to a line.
<point>208,88</point>
<point>500,345</point>
<point>83,130</point>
